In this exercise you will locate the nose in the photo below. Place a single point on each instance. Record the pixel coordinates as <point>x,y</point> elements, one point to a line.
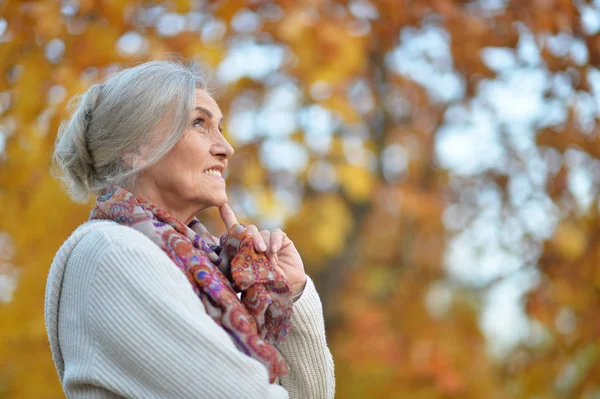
<point>222,149</point>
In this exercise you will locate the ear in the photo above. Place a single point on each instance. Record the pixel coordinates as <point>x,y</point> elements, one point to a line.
<point>134,160</point>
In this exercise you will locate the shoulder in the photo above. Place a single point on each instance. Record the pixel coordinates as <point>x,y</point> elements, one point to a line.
<point>109,234</point>
<point>95,239</point>
<point>112,248</point>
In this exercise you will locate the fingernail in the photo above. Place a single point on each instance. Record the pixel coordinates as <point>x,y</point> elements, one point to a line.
<point>262,246</point>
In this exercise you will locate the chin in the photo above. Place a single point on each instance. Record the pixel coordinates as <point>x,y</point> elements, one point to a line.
<point>217,201</point>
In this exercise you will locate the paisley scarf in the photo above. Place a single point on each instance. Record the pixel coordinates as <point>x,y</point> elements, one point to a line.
<point>258,322</point>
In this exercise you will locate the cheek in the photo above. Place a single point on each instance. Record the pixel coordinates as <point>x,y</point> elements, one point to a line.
<point>185,152</point>
<point>192,159</point>
<point>190,170</point>
<point>175,170</point>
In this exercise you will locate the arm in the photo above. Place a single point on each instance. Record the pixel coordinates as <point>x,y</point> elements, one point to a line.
<point>311,369</point>
<point>305,350</point>
<point>154,338</point>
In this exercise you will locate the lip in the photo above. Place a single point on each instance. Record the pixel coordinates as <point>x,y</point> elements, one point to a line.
<point>220,168</point>
<point>216,177</point>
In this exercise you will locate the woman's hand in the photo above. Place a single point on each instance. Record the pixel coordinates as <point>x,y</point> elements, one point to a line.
<point>277,246</point>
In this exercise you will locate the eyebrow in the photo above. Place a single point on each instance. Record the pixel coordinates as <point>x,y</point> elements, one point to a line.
<point>208,113</point>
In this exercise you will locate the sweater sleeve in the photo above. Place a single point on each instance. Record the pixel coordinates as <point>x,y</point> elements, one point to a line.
<point>311,369</point>
<point>154,339</point>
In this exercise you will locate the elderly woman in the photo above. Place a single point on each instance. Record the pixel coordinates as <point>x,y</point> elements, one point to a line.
<point>141,300</point>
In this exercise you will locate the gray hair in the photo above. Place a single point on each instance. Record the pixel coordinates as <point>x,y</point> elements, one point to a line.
<point>138,113</point>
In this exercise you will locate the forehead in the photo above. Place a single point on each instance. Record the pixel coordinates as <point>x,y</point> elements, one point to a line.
<point>205,100</point>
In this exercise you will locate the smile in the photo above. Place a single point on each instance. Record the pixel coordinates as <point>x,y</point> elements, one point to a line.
<point>215,173</point>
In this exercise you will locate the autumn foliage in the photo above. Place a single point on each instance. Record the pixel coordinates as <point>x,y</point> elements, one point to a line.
<point>436,163</point>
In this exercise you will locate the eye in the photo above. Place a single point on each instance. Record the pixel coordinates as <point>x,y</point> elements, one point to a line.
<point>199,121</point>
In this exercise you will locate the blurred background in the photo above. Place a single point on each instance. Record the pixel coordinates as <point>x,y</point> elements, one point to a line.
<point>435,161</point>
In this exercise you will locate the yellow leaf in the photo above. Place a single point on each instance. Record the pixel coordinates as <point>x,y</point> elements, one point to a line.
<point>357,182</point>
<point>343,107</point>
<point>570,240</point>
<point>253,174</point>
<point>226,9</point>
<point>333,220</point>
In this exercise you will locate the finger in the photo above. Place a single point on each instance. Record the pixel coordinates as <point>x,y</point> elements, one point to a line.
<point>273,259</point>
<point>227,216</point>
<point>276,240</point>
<point>286,240</point>
<point>259,243</point>
<point>266,235</point>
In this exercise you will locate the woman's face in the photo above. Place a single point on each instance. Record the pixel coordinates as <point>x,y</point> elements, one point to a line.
<point>189,178</point>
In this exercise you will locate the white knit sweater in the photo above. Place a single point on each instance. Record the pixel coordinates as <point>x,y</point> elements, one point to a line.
<point>123,321</point>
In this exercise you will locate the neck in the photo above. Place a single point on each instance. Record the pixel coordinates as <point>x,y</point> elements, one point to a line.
<point>166,201</point>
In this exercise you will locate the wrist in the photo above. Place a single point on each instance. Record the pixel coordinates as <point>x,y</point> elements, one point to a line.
<point>299,288</point>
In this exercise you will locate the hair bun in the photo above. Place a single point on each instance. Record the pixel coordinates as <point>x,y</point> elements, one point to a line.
<point>72,151</point>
